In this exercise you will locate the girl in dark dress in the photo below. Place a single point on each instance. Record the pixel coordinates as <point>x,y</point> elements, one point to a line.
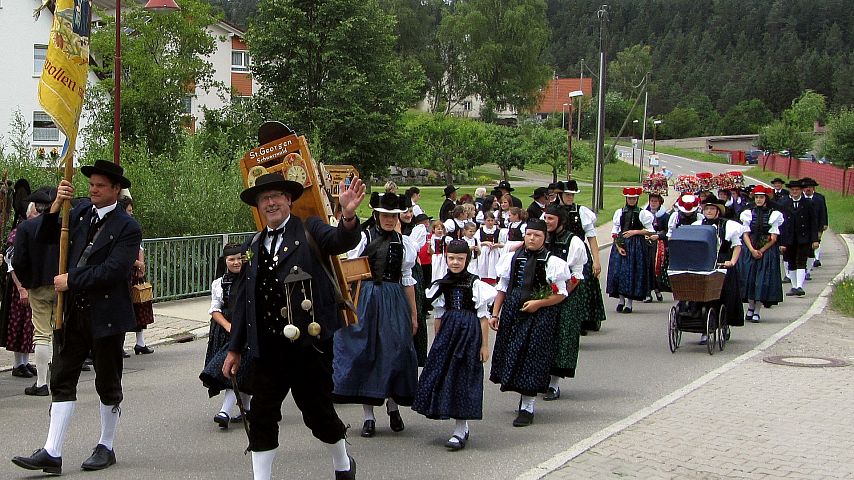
<point>451,384</point>
<point>759,264</point>
<point>219,336</point>
<point>531,284</point>
<point>628,277</point>
<point>658,248</point>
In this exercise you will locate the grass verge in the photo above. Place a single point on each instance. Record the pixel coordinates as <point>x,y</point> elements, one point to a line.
<point>839,211</point>
<point>842,299</point>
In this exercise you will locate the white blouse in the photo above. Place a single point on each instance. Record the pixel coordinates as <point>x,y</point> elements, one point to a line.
<point>418,236</point>
<point>217,300</point>
<point>576,258</point>
<point>557,272</point>
<point>588,221</point>
<point>775,219</point>
<point>410,254</point>
<point>732,233</point>
<point>483,295</point>
<point>646,219</point>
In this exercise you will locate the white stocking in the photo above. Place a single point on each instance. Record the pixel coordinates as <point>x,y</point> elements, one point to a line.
<point>527,403</point>
<point>262,464</point>
<point>60,418</point>
<point>801,276</point>
<point>140,338</point>
<point>228,402</point>
<point>109,422</point>
<point>368,411</point>
<point>44,354</point>
<point>340,460</point>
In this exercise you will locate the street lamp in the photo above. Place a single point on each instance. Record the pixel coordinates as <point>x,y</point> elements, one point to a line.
<point>572,94</point>
<point>563,116</point>
<point>151,6</point>
<point>655,125</point>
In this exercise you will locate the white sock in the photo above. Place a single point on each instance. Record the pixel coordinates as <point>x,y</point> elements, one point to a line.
<point>25,358</point>
<point>140,338</point>
<point>818,253</point>
<point>368,412</point>
<point>790,274</point>
<point>228,402</point>
<point>527,403</point>
<point>751,305</point>
<point>19,359</point>
<point>554,381</point>
<point>809,265</point>
<point>758,307</point>
<point>44,354</point>
<point>246,399</point>
<point>262,464</point>
<point>622,300</point>
<point>340,460</point>
<point>461,428</point>
<point>629,303</point>
<point>60,418</point>
<point>391,406</point>
<point>801,275</point>
<point>109,422</point>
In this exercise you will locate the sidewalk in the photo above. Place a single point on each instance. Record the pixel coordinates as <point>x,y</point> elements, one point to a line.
<point>748,419</point>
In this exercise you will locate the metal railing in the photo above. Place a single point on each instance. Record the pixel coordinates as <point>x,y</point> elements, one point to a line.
<point>182,267</point>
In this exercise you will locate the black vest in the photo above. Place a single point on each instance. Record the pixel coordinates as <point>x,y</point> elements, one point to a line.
<point>574,225</point>
<point>385,255</point>
<point>630,219</point>
<point>725,250</point>
<point>760,226</point>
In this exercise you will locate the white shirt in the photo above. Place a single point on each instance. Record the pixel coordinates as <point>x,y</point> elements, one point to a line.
<point>217,300</point>
<point>482,293</point>
<point>269,237</point>
<point>576,258</point>
<point>410,254</point>
<point>732,232</point>
<point>103,211</point>
<point>588,221</point>
<point>775,219</point>
<point>418,236</point>
<point>416,210</point>
<point>557,272</point>
<point>645,216</point>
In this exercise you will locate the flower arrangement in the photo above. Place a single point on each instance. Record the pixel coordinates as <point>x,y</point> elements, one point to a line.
<point>706,180</point>
<point>656,183</point>
<point>686,183</point>
<point>247,256</point>
<point>544,292</point>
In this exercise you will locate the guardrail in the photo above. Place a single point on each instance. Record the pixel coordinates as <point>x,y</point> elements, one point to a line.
<point>182,267</point>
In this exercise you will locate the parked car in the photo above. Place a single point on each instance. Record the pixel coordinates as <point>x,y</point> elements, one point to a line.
<point>752,156</point>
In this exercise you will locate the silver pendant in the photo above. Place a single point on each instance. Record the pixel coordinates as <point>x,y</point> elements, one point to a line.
<point>276,258</point>
<point>284,312</point>
<point>296,243</point>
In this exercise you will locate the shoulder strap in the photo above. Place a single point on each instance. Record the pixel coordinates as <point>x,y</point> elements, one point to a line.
<point>324,262</point>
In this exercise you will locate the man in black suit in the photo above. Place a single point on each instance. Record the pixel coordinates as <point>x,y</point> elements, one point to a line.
<point>35,265</point>
<point>820,205</point>
<point>446,211</point>
<point>284,315</point>
<point>104,243</point>
<point>779,192</point>
<point>537,207</point>
<point>799,235</point>
<point>505,188</point>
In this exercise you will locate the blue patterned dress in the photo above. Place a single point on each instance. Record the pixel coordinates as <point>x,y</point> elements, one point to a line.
<point>628,275</point>
<point>760,279</point>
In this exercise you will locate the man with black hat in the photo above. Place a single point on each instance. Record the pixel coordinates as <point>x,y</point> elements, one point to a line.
<point>446,211</point>
<point>779,192</point>
<point>104,243</point>
<point>798,236</point>
<point>505,188</point>
<point>284,315</point>
<point>35,265</point>
<point>820,205</point>
<point>537,207</point>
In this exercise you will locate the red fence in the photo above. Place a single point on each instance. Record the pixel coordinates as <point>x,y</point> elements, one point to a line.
<point>828,176</point>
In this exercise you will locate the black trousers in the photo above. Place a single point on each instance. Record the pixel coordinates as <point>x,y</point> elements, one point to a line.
<point>71,346</point>
<point>305,370</point>
<point>796,256</point>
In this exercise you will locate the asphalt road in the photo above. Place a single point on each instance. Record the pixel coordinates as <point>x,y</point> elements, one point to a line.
<point>166,430</point>
<point>680,165</point>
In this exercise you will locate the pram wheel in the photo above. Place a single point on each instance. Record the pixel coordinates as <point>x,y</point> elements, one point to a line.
<point>673,333</point>
<point>711,328</point>
<point>723,328</point>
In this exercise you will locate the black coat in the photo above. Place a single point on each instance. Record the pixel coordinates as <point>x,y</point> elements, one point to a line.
<point>446,211</point>
<point>820,205</point>
<point>35,263</point>
<point>330,241</point>
<point>535,210</point>
<point>515,202</point>
<point>799,225</point>
<point>104,278</point>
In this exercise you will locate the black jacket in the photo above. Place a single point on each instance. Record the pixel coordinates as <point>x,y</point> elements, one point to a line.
<point>799,224</point>
<point>446,211</point>
<point>820,205</point>
<point>35,263</point>
<point>293,251</point>
<point>535,210</point>
<point>104,278</point>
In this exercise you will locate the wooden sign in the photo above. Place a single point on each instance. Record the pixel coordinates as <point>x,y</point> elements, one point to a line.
<point>290,156</point>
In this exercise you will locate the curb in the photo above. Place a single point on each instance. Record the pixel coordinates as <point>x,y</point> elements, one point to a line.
<point>559,460</point>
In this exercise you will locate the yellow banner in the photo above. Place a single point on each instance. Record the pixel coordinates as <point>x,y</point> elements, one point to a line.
<point>66,67</point>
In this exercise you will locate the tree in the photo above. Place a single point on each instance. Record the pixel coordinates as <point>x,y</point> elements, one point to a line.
<point>328,68</point>
<point>548,146</point>
<point>839,139</point>
<point>627,71</point>
<point>780,136</point>
<point>502,45</point>
<point>808,108</point>
<point>746,117</point>
<point>509,148</point>
<point>680,123</point>
<point>447,143</point>
<point>164,58</point>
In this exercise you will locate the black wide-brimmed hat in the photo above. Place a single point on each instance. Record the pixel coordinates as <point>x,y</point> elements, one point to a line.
<point>809,182</point>
<point>712,200</point>
<point>570,186</point>
<point>389,203</point>
<point>271,181</point>
<point>43,195</point>
<point>777,180</point>
<point>795,184</point>
<point>540,192</point>
<point>108,169</point>
<point>421,217</point>
<point>449,189</point>
<point>505,185</point>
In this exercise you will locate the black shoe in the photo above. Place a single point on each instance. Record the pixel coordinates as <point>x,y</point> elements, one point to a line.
<point>459,444</point>
<point>85,368</point>
<point>222,420</point>
<point>648,299</point>
<point>816,264</point>
<point>125,354</point>
<point>552,394</point>
<point>40,460</point>
<point>102,457</point>
<point>524,419</point>
<point>791,293</point>
<point>808,277</point>
<point>583,332</point>
<point>238,419</point>
<point>620,307</point>
<point>349,474</point>
<point>801,292</point>
<point>22,371</point>
<point>369,429</point>
<point>627,310</point>
<point>32,369</point>
<point>395,421</point>
<point>37,391</point>
<point>754,318</point>
<point>143,350</point>
<point>659,296</point>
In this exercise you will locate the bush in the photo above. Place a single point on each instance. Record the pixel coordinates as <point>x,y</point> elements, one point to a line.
<point>843,296</point>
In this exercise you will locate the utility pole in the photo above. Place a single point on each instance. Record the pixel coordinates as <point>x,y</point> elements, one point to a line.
<point>643,135</point>
<point>599,167</point>
<point>580,87</point>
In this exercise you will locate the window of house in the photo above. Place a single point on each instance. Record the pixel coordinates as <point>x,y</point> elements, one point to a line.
<point>467,105</point>
<point>239,61</point>
<point>44,130</point>
<point>39,54</point>
<point>187,104</point>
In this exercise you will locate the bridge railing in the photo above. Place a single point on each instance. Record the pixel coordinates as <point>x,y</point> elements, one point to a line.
<point>182,267</point>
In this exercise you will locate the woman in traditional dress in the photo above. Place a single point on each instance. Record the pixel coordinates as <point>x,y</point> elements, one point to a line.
<point>628,277</point>
<point>417,235</point>
<point>531,284</point>
<point>19,331</point>
<point>144,312</point>
<point>436,248</point>
<point>581,222</point>
<point>563,244</point>
<point>219,336</point>
<point>451,385</point>
<point>490,249</point>
<point>658,281</point>
<point>759,266</point>
<point>375,359</point>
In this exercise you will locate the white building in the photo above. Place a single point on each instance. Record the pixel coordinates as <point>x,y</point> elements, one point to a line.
<point>26,46</point>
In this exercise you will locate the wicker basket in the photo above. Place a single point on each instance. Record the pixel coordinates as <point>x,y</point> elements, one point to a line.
<point>696,287</point>
<point>141,292</point>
